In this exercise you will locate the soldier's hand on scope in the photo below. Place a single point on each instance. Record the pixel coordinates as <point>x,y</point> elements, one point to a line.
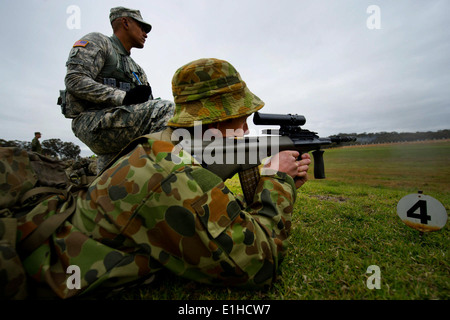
<point>286,161</point>
<point>138,94</point>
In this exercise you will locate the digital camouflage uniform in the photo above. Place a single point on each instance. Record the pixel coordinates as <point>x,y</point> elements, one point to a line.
<point>99,73</point>
<point>154,209</point>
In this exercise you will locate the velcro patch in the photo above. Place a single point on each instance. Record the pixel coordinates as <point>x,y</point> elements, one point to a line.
<point>81,43</point>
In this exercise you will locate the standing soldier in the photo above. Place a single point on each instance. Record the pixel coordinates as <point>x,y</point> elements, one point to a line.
<point>35,144</point>
<point>108,95</point>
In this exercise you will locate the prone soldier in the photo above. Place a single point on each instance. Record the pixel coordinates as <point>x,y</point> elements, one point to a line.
<point>148,211</point>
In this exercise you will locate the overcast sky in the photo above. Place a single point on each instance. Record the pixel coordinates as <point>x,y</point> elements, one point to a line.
<point>345,65</point>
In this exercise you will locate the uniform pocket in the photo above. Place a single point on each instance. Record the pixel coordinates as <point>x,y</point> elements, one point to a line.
<point>216,209</point>
<point>119,117</point>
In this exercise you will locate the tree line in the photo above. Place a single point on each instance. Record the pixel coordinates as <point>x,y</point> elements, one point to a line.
<point>390,137</point>
<point>51,147</point>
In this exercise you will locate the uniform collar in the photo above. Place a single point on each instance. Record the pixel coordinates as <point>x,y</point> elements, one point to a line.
<point>119,46</point>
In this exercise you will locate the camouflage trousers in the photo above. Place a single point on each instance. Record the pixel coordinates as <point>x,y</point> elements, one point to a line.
<point>108,131</point>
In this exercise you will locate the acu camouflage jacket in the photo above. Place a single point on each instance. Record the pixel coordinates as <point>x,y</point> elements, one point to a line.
<point>92,63</point>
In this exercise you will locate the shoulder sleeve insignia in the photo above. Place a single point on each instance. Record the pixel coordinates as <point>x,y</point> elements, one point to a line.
<point>81,43</point>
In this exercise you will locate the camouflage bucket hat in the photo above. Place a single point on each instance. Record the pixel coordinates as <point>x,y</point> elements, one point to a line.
<point>210,90</point>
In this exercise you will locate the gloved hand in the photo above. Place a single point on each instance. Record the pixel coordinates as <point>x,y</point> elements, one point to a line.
<point>138,94</point>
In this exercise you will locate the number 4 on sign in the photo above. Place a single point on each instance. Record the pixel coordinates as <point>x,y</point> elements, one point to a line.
<point>422,212</point>
<point>422,215</point>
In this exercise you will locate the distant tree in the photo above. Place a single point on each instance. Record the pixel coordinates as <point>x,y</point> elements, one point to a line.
<point>15,143</point>
<point>52,147</point>
<point>5,143</point>
<point>70,151</point>
<point>60,149</point>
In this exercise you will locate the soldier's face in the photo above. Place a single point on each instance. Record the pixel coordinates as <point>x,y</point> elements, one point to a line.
<point>236,127</point>
<point>136,33</point>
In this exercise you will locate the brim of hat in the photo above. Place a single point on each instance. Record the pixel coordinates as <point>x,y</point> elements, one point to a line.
<point>216,108</point>
<point>147,26</point>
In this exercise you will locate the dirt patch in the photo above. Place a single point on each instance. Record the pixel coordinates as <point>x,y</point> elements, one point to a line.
<point>330,198</point>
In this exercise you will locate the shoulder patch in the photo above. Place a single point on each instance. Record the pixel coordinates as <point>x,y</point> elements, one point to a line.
<point>81,43</point>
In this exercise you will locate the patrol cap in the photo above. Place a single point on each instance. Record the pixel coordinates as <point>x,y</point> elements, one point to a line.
<point>210,90</point>
<point>119,12</point>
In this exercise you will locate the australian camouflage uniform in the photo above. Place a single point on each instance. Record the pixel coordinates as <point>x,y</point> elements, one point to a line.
<point>154,209</point>
<point>146,213</point>
<point>16,178</point>
<point>25,179</point>
<point>100,71</point>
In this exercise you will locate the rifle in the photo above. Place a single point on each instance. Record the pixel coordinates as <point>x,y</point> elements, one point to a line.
<point>243,155</point>
<point>296,138</point>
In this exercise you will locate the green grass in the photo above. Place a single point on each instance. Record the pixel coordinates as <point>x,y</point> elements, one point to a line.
<point>409,166</point>
<point>347,222</point>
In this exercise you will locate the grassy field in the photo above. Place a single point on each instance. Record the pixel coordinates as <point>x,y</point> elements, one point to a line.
<point>348,222</point>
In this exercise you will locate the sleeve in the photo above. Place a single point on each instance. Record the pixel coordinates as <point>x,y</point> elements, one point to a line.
<point>86,60</point>
<point>270,216</point>
<point>253,239</point>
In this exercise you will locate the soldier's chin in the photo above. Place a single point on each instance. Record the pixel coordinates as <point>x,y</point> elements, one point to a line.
<point>139,45</point>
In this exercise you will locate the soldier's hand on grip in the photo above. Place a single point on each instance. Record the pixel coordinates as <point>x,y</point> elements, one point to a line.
<point>286,161</point>
<point>138,94</point>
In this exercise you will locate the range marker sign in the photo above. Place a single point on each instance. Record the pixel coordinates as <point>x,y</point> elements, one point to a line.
<point>422,212</point>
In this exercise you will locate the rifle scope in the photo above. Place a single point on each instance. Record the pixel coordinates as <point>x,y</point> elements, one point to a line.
<point>270,119</point>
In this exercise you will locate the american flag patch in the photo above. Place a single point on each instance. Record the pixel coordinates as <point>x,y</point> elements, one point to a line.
<point>80,43</point>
